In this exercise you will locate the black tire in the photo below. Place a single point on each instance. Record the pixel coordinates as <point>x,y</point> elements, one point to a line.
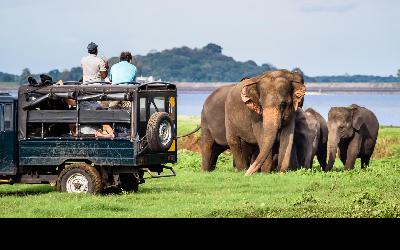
<point>129,183</point>
<point>160,141</point>
<point>67,183</point>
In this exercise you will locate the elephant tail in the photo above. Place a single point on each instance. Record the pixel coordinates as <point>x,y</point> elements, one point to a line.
<point>194,131</point>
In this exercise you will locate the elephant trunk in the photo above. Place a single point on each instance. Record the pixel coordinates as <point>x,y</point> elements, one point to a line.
<point>333,142</point>
<point>271,124</point>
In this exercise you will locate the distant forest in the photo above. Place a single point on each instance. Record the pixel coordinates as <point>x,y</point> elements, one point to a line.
<point>184,64</point>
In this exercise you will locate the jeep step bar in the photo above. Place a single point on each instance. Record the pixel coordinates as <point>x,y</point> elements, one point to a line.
<point>159,176</point>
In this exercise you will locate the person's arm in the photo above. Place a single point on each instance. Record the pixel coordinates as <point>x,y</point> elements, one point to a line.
<point>103,74</point>
<point>103,69</point>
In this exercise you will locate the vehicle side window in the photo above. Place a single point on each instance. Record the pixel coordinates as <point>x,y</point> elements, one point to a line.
<point>157,105</point>
<point>1,118</point>
<point>142,109</point>
<point>8,117</point>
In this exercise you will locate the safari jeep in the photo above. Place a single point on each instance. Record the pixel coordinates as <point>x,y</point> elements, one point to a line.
<point>42,139</point>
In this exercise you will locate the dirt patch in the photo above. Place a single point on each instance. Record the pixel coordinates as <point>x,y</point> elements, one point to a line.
<point>385,147</point>
<point>191,143</point>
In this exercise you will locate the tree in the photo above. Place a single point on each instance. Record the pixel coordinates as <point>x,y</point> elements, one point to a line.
<point>26,73</point>
<point>398,73</point>
<point>213,48</point>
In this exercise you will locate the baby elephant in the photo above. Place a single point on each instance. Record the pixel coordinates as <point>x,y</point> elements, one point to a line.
<point>354,131</point>
<point>310,138</point>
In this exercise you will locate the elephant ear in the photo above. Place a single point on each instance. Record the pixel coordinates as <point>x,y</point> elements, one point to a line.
<point>250,95</point>
<point>357,119</point>
<point>299,90</point>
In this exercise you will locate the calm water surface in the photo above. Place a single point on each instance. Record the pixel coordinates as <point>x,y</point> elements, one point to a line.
<point>385,106</point>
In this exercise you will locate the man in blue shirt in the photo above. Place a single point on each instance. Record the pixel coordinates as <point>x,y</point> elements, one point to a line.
<point>124,71</point>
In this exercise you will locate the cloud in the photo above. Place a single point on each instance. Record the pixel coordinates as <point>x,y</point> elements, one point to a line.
<point>338,6</point>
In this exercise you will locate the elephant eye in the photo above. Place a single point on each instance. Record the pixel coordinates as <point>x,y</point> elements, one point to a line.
<point>283,105</point>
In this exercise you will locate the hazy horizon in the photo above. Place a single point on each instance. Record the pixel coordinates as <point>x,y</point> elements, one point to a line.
<point>322,37</point>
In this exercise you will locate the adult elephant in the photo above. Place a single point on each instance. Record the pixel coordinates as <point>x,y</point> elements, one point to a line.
<point>213,133</point>
<point>310,138</point>
<point>257,111</point>
<point>354,130</point>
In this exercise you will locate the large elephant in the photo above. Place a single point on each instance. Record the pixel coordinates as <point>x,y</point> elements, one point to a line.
<point>310,138</point>
<point>258,111</point>
<point>213,133</point>
<point>354,131</point>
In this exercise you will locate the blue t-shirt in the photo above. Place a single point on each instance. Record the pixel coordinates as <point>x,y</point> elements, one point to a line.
<point>122,72</point>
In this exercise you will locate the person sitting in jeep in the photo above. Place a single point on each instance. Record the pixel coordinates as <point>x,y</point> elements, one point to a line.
<point>102,131</point>
<point>94,68</point>
<point>124,71</point>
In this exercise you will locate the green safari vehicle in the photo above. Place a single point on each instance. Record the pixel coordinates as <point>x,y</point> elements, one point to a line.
<point>44,135</point>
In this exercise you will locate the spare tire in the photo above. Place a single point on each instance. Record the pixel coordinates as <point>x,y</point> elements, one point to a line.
<point>160,132</point>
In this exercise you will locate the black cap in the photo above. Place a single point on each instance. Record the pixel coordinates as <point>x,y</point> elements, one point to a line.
<point>92,46</point>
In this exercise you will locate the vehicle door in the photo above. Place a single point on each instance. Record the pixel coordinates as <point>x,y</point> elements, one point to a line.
<point>8,151</point>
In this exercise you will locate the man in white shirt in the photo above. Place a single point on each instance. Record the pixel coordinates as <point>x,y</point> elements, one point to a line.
<point>94,68</point>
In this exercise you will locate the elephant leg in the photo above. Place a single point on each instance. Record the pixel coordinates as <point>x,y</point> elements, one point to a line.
<point>286,144</point>
<point>241,160</point>
<point>352,152</point>
<point>321,155</point>
<point>207,143</point>
<point>294,163</point>
<point>365,161</point>
<point>248,151</point>
<point>216,151</point>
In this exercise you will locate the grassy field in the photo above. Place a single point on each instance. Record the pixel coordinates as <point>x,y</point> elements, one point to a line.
<point>372,192</point>
<point>8,85</point>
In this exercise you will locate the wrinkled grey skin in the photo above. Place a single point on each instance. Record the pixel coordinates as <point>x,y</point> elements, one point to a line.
<point>213,133</point>
<point>213,136</point>
<point>310,138</point>
<point>353,131</point>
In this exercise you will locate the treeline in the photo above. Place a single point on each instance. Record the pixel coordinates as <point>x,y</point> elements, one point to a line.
<point>353,78</point>
<point>184,64</point>
<point>207,64</point>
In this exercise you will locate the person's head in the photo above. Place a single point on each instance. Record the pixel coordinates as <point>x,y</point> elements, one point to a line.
<point>92,48</point>
<point>125,56</point>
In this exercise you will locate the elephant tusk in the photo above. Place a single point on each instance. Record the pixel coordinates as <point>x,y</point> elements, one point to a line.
<point>252,169</point>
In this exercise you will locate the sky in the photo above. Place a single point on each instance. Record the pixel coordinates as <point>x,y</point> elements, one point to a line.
<point>322,37</point>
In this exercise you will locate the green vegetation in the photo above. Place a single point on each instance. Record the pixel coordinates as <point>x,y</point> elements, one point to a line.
<point>8,85</point>
<point>372,192</point>
<point>207,64</point>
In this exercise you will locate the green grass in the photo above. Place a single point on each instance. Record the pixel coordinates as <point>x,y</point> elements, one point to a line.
<point>187,124</point>
<point>372,192</point>
<point>8,85</point>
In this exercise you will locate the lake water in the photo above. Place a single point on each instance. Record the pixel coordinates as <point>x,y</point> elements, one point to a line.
<point>386,106</point>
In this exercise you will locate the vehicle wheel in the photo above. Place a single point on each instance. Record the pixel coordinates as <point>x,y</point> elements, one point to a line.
<point>159,132</point>
<point>80,178</point>
<point>129,182</point>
